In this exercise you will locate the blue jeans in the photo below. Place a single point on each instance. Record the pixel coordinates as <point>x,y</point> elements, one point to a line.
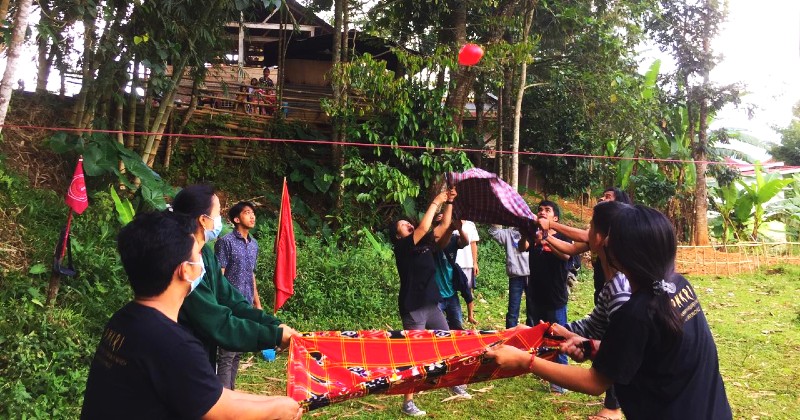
<point>452,310</point>
<point>558,315</point>
<point>516,286</point>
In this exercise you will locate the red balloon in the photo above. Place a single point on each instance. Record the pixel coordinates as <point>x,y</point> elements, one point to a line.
<point>470,54</point>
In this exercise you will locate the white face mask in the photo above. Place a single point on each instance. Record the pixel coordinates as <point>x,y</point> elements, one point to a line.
<point>214,232</point>
<point>196,282</point>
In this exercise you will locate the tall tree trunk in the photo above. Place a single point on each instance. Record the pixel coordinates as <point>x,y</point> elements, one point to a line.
<point>507,121</point>
<point>498,145</point>
<point>337,154</point>
<point>523,81</point>
<point>156,130</point>
<point>46,52</point>
<point>87,78</point>
<point>148,110</point>
<point>172,141</point>
<point>17,38</point>
<point>119,117</point>
<point>132,108</point>
<point>62,87</point>
<point>701,188</point>
<point>700,155</point>
<point>480,124</point>
<point>3,19</point>
<point>455,35</point>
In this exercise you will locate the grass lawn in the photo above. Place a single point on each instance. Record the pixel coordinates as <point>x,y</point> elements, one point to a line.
<point>755,320</point>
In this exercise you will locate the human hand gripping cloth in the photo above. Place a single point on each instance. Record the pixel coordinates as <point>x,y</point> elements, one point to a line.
<point>328,367</point>
<point>485,198</point>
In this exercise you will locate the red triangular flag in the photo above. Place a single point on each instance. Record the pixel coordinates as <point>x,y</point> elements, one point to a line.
<point>76,195</point>
<point>285,253</point>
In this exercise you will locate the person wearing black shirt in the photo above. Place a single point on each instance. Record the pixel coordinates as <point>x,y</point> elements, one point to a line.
<point>546,296</point>
<point>146,364</point>
<point>658,350</point>
<point>419,296</point>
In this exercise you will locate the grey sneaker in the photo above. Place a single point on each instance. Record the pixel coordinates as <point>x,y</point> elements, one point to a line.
<point>411,409</point>
<point>461,391</point>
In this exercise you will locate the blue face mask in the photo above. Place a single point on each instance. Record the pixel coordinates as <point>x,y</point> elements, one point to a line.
<point>214,233</point>
<point>196,282</point>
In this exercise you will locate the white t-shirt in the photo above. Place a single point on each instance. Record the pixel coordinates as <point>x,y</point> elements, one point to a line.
<point>464,255</point>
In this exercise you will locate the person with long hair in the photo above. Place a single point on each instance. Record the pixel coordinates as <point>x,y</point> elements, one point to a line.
<point>217,313</point>
<point>418,300</point>
<point>615,292</point>
<point>658,350</point>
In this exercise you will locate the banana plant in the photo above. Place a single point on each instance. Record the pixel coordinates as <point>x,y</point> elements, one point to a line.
<point>625,167</point>
<point>735,210</point>
<point>788,210</point>
<point>758,194</point>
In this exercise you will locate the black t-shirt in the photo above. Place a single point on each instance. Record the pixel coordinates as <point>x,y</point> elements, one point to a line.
<point>417,271</point>
<point>654,380</point>
<point>148,367</point>
<point>547,284</point>
<point>599,278</point>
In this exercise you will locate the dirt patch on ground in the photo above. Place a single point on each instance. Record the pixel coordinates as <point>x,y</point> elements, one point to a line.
<point>29,123</point>
<point>580,211</point>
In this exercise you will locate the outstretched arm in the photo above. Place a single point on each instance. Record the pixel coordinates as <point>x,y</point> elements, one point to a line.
<point>427,219</point>
<point>576,378</point>
<point>239,405</point>
<point>567,248</point>
<point>474,250</point>
<point>463,237</point>
<point>442,232</point>
<point>577,235</point>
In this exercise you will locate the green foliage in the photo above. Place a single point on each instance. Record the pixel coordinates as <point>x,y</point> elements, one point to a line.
<point>378,182</point>
<point>102,155</point>
<point>734,212</point>
<point>788,210</point>
<point>789,149</point>
<point>124,208</point>
<point>47,351</point>
<point>759,193</point>
<point>405,112</point>
<point>314,177</point>
<point>745,208</point>
<point>591,102</point>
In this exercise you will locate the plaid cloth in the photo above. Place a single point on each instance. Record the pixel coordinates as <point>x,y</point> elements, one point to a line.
<point>485,198</point>
<point>327,367</point>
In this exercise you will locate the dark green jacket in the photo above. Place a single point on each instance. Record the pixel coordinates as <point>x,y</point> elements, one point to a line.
<point>220,316</point>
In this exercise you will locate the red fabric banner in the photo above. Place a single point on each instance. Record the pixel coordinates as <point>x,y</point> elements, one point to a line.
<point>327,367</point>
<point>285,253</point>
<point>76,197</point>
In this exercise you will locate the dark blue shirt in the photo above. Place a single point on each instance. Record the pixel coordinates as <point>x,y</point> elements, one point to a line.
<point>238,257</point>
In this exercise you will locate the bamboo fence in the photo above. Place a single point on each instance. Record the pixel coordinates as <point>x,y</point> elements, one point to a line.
<point>728,259</point>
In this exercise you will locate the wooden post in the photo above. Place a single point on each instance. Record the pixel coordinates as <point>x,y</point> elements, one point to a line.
<point>55,277</point>
<point>241,40</point>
